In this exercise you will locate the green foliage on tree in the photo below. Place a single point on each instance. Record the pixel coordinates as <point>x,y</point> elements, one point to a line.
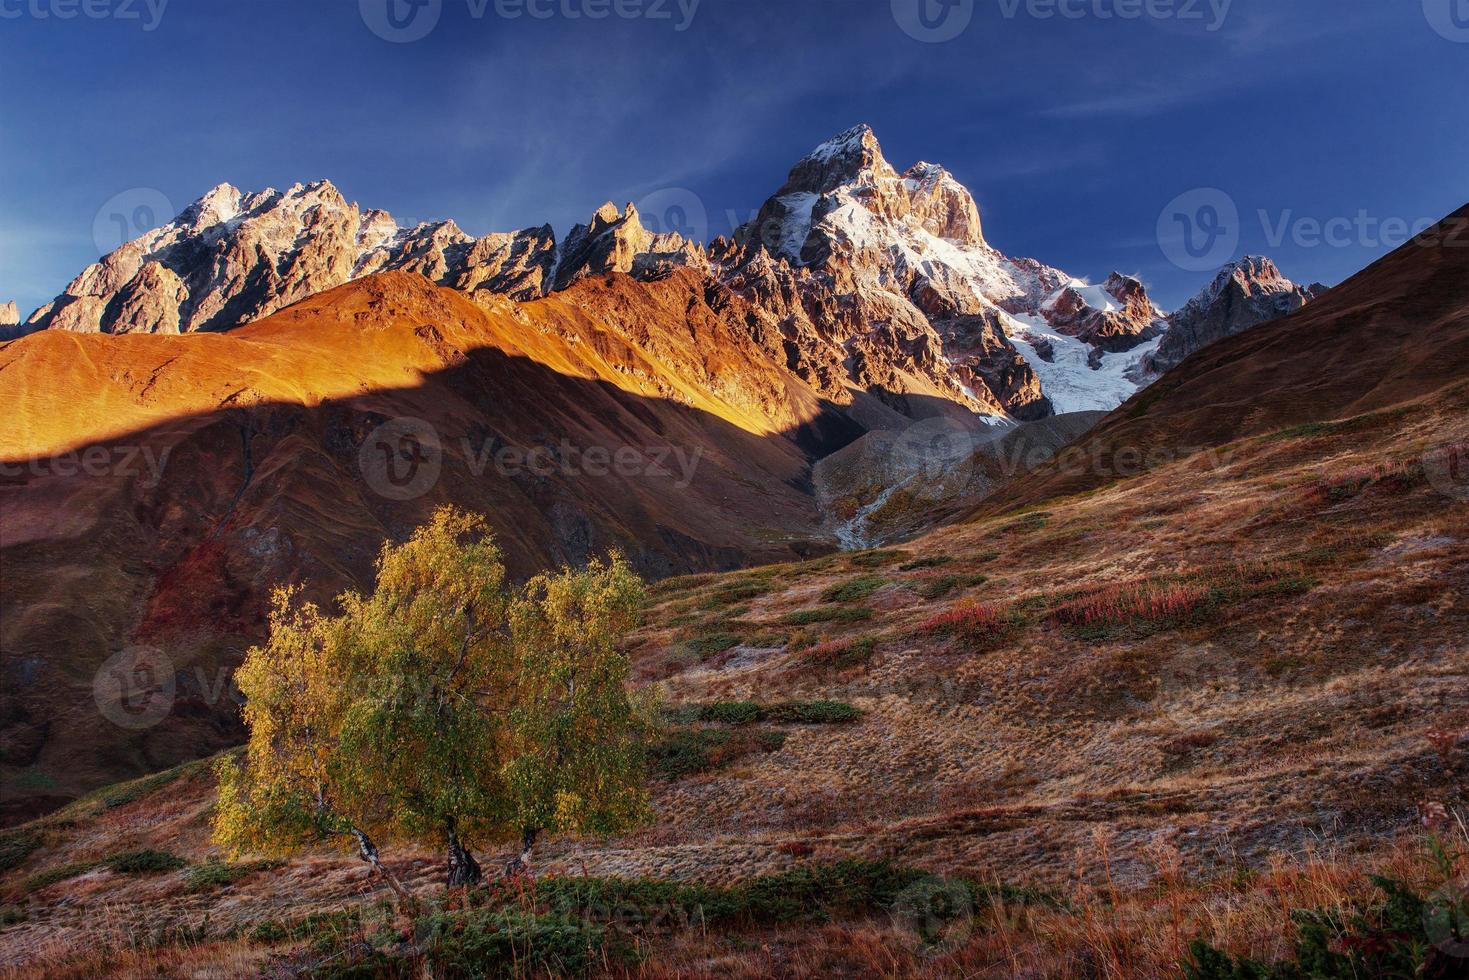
<point>578,764</point>
<point>440,708</point>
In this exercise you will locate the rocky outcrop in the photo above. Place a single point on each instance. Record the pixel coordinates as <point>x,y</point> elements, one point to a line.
<point>9,315</point>
<point>1244,294</point>
<point>1114,317</point>
<point>232,258</point>
<point>894,276</point>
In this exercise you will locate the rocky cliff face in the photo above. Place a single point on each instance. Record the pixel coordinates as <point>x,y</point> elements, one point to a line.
<point>1244,294</point>
<point>887,278</point>
<point>232,257</point>
<point>9,315</point>
<point>876,288</point>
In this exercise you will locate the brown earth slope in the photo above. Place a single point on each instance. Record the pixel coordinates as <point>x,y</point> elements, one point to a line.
<point>154,489</point>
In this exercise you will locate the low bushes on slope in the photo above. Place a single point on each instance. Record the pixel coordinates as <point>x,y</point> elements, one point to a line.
<point>748,712</point>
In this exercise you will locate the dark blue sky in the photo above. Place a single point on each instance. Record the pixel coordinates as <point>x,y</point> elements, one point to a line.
<point>1074,132</point>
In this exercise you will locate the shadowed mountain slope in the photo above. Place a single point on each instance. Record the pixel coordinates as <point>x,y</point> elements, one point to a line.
<point>155,489</point>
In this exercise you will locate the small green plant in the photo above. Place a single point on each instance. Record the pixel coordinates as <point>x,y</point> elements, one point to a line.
<point>941,585</point>
<point>840,654</point>
<point>15,847</point>
<point>732,712</point>
<point>813,712</point>
<point>748,712</point>
<point>853,590</point>
<point>711,644</point>
<point>876,557</point>
<point>215,874</point>
<point>65,872</point>
<point>144,862</point>
<point>830,614</point>
<point>689,751</point>
<point>1403,934</point>
<point>918,564</point>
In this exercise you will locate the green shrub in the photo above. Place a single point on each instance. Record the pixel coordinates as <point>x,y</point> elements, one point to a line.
<point>853,590</point>
<point>748,712</point>
<point>933,561</point>
<point>711,644</point>
<point>510,942</point>
<point>732,712</point>
<point>144,862</point>
<point>942,585</point>
<point>689,751</point>
<point>1388,939</point>
<point>813,712</point>
<point>840,654</point>
<point>685,752</point>
<point>218,874</point>
<point>807,892</point>
<point>15,848</point>
<point>830,614</point>
<point>876,557</point>
<point>44,879</point>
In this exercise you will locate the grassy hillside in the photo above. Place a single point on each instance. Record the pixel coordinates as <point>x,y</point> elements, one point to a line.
<point>1178,706</point>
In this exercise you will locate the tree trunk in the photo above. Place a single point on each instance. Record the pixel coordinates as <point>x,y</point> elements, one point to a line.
<point>367,850</point>
<point>464,870</point>
<point>520,865</point>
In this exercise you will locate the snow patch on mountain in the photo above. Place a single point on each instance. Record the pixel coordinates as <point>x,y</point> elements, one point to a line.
<point>1068,377</point>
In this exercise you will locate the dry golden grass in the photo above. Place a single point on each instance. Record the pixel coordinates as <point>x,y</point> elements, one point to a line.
<point>1198,777</point>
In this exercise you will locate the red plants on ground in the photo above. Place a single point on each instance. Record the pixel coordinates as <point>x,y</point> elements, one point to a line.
<point>969,620</point>
<point>1121,604</point>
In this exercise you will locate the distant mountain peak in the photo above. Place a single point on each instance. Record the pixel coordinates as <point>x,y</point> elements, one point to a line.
<point>1243,294</point>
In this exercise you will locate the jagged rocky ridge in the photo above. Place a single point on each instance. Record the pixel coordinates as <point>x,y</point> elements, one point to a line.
<point>862,280</point>
<point>1244,294</point>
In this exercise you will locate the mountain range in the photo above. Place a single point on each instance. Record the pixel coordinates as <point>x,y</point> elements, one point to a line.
<point>863,279</point>
<point>274,383</point>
